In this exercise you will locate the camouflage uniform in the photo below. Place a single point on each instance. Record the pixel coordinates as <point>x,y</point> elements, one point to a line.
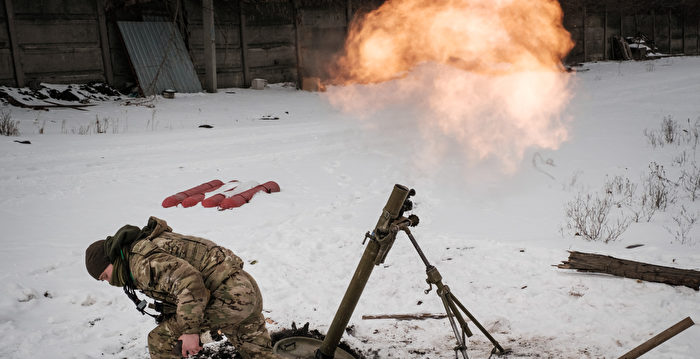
<point>207,287</point>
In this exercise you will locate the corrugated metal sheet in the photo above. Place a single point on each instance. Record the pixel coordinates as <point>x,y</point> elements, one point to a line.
<point>159,57</point>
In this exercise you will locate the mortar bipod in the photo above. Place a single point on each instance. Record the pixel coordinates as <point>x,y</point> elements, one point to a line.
<point>453,307</point>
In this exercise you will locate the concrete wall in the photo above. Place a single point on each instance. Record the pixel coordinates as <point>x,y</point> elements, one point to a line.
<point>7,67</point>
<point>264,47</point>
<point>592,29</point>
<point>67,41</point>
<point>56,41</point>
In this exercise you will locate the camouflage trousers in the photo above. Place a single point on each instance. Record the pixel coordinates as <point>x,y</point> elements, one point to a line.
<point>235,308</point>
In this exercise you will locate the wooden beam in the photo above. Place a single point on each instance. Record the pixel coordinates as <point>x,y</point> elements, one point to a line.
<point>209,45</point>
<point>16,56</point>
<point>590,262</point>
<point>659,339</point>
<point>419,316</point>
<point>104,42</point>
<point>244,46</point>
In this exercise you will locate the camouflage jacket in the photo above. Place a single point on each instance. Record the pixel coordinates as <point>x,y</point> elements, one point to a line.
<point>181,271</point>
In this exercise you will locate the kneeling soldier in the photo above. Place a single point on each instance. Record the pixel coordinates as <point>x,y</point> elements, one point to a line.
<point>197,286</point>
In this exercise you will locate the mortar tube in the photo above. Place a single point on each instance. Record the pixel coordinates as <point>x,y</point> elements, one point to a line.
<point>349,302</point>
<point>391,211</point>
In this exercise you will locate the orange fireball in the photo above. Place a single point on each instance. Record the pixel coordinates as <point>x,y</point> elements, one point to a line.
<point>488,72</point>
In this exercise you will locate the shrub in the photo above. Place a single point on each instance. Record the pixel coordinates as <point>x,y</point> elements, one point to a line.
<point>590,217</point>
<point>684,220</point>
<point>8,127</point>
<point>657,193</point>
<point>690,181</point>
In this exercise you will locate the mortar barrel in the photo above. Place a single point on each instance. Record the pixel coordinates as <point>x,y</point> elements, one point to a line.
<point>364,269</point>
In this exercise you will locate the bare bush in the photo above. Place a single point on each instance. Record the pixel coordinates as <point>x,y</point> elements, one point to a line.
<point>84,129</point>
<point>671,132</point>
<point>657,191</point>
<point>691,133</point>
<point>669,129</point>
<point>685,221</point>
<point>654,138</point>
<point>590,217</point>
<point>8,126</point>
<point>690,181</point>
<point>622,191</point>
<point>101,127</point>
<point>97,126</point>
<point>680,159</point>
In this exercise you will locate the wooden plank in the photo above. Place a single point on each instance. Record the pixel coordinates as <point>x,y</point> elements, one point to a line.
<point>16,56</point>
<point>244,46</point>
<point>104,42</point>
<point>590,262</point>
<point>419,316</point>
<point>659,339</point>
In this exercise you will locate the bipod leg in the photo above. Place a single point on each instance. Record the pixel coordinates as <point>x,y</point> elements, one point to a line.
<point>459,335</point>
<point>478,325</point>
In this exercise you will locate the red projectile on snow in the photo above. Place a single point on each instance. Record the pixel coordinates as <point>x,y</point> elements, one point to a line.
<point>214,200</point>
<point>179,197</point>
<point>192,200</point>
<point>244,197</point>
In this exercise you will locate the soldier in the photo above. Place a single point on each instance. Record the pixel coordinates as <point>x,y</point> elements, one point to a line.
<point>198,285</point>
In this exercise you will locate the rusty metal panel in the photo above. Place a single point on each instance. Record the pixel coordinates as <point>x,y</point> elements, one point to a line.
<point>159,57</point>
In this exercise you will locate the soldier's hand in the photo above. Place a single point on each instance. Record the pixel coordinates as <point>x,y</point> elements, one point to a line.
<point>190,344</point>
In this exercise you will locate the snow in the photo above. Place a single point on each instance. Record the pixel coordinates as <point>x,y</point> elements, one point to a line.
<point>494,237</point>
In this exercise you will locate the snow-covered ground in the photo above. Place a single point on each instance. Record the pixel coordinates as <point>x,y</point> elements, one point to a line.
<point>494,236</point>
